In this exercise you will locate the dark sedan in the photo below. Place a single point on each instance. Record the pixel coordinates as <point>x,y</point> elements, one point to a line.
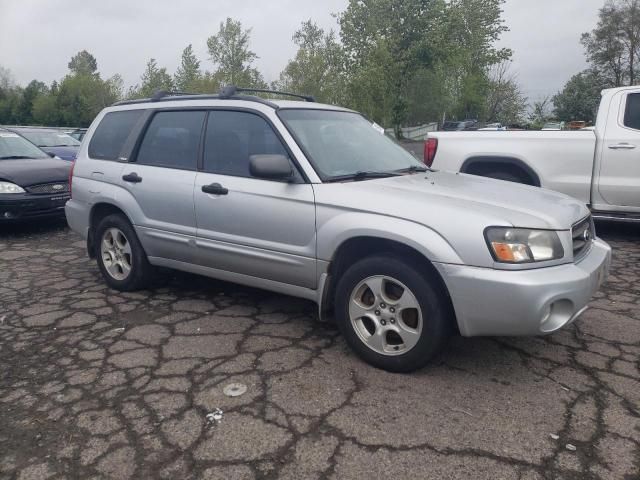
<point>32,184</point>
<point>54,142</point>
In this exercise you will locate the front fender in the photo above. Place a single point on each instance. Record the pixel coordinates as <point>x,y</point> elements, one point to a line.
<point>338,229</point>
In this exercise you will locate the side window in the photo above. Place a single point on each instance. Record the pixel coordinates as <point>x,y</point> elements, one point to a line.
<point>112,133</point>
<point>172,140</point>
<point>632,112</point>
<point>232,137</point>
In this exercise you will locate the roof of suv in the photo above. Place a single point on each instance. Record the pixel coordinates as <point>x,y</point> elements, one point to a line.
<point>233,93</point>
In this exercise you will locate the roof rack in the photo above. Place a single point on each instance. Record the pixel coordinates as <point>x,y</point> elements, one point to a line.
<point>226,93</point>
<point>231,90</point>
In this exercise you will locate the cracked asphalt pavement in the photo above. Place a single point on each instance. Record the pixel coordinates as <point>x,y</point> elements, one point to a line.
<point>100,384</point>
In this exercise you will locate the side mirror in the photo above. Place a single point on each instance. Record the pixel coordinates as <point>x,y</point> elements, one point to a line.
<point>274,167</point>
<point>51,154</point>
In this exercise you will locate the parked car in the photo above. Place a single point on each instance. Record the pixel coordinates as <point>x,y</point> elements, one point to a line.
<point>315,201</point>
<point>599,167</point>
<point>492,127</point>
<point>54,142</point>
<point>460,126</point>
<point>32,184</point>
<point>551,126</point>
<point>78,133</point>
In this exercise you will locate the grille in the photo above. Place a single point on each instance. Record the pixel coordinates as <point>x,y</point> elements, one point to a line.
<point>583,234</point>
<point>49,188</point>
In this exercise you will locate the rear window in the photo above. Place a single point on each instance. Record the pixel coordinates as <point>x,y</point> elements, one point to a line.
<point>49,138</point>
<point>632,113</point>
<point>111,135</point>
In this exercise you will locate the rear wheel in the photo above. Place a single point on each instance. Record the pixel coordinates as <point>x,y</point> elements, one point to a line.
<point>120,256</point>
<point>391,314</point>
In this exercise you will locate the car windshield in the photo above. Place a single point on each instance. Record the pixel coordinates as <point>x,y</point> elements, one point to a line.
<point>13,146</point>
<point>342,144</point>
<point>48,138</point>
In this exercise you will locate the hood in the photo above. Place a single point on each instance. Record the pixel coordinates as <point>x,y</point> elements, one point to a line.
<point>65,153</point>
<point>439,199</point>
<point>34,171</point>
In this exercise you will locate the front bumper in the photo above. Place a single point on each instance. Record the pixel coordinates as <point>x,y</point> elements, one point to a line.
<point>490,302</point>
<point>24,206</point>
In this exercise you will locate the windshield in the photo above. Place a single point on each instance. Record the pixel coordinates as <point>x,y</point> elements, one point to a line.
<point>340,144</point>
<point>50,139</point>
<point>13,145</point>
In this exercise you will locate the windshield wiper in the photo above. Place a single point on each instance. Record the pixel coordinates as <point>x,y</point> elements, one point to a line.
<point>363,175</point>
<point>414,169</point>
<point>14,157</point>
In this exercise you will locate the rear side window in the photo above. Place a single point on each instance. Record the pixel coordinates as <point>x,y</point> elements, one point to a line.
<point>632,112</point>
<point>232,137</point>
<point>172,140</point>
<point>112,133</point>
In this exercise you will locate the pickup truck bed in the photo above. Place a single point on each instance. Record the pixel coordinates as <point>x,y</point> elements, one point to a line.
<point>600,167</point>
<point>568,165</point>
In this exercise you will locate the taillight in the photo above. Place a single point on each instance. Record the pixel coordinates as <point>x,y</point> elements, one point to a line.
<point>73,164</point>
<point>430,149</point>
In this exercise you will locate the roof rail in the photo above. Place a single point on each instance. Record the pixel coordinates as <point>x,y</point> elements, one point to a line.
<point>231,90</point>
<point>226,93</point>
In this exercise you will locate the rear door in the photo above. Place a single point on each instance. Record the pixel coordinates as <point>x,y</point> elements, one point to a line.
<point>619,182</point>
<point>261,228</point>
<point>161,178</point>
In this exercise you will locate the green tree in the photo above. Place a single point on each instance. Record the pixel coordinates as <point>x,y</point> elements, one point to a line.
<point>230,53</point>
<point>613,47</point>
<point>407,45</point>
<point>318,66</point>
<point>81,97</point>
<point>396,32</point>
<point>45,110</point>
<point>83,63</point>
<point>188,74</point>
<point>580,97</point>
<point>153,79</point>
<point>29,95</point>
<point>467,37</point>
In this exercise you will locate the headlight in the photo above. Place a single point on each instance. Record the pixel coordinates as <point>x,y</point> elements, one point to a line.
<point>8,187</point>
<point>520,245</point>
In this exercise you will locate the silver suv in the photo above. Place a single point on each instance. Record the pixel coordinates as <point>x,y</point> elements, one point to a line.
<point>315,201</point>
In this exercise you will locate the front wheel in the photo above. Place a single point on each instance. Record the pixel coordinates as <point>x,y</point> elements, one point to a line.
<point>391,314</point>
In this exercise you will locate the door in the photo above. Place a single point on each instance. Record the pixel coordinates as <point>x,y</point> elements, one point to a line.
<point>161,179</point>
<point>246,225</point>
<point>619,182</point>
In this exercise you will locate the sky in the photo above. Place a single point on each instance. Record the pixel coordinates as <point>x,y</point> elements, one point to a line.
<point>38,37</point>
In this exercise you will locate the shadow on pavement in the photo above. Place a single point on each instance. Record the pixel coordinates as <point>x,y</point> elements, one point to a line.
<point>28,228</point>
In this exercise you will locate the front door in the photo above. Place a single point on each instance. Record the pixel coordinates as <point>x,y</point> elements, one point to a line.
<point>246,225</point>
<point>161,178</point>
<point>619,178</point>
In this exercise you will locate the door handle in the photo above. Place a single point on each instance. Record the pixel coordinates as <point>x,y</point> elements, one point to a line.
<point>622,146</point>
<point>215,189</point>
<point>132,178</point>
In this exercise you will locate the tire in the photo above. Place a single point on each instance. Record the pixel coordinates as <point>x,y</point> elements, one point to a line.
<point>506,176</point>
<point>120,256</point>
<point>401,333</point>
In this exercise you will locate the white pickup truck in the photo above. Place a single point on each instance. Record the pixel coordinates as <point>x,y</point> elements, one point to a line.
<point>600,167</point>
